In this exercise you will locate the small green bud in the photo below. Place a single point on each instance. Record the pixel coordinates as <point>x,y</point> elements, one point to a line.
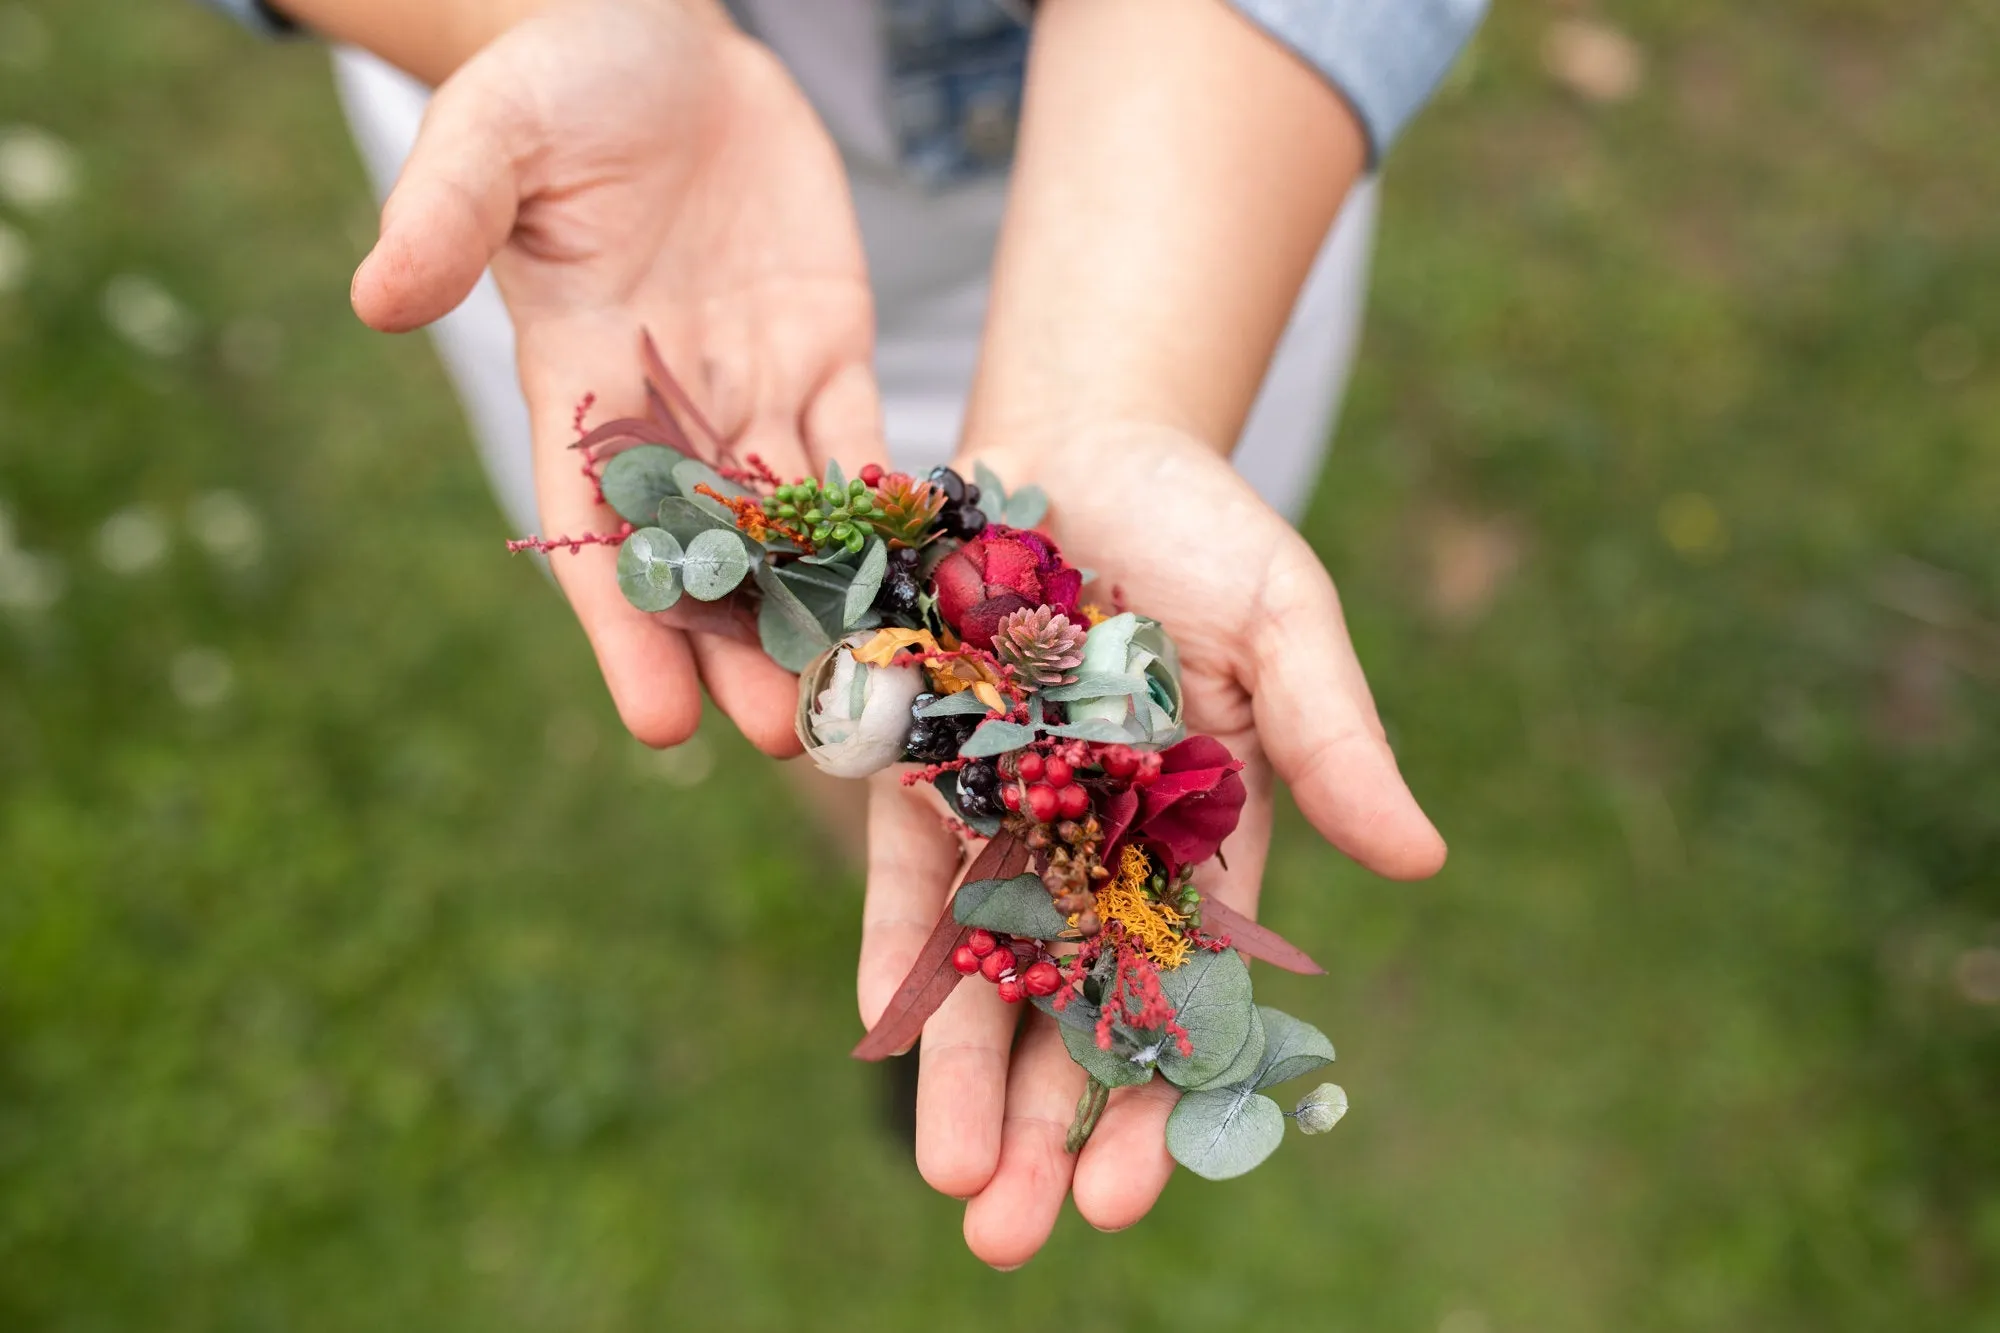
<point>815,515</point>
<point>863,504</point>
<point>857,486</point>
<point>1321,1109</point>
<point>855,542</point>
<point>821,533</point>
<point>788,511</point>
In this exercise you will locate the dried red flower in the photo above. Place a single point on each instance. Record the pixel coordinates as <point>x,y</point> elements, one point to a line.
<point>1001,571</point>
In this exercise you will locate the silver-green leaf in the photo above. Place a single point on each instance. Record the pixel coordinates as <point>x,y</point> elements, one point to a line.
<point>714,563</point>
<point>992,493</point>
<point>635,481</point>
<point>1108,1067</point>
<point>1018,906</point>
<point>1321,1109</point>
<point>1248,1060</point>
<point>963,704</point>
<point>995,736</point>
<point>1025,507</point>
<point>792,636</point>
<point>1223,1133</point>
<point>649,569</point>
<point>1211,998</point>
<point>1292,1047</point>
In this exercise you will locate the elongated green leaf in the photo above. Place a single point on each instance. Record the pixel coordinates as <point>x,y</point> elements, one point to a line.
<point>1211,998</point>
<point>692,472</point>
<point>1018,906</point>
<point>688,520</point>
<point>635,481</point>
<point>1244,1067</point>
<point>1097,687</point>
<point>649,569</point>
<point>867,582</point>
<point>1292,1047</point>
<point>1109,1067</point>
<point>995,737</point>
<point>792,636</point>
<point>836,480</point>
<point>1223,1133</point>
<point>1095,729</point>
<point>963,704</point>
<point>714,563</point>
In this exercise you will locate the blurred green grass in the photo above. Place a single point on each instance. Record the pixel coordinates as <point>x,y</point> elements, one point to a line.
<point>356,973</point>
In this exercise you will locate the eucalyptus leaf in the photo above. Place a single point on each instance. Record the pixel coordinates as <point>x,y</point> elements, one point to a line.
<point>867,582</point>
<point>1292,1047</point>
<point>1018,906</point>
<point>1223,1133</point>
<point>635,481</point>
<point>1078,1013</point>
<point>995,737</point>
<point>822,590</point>
<point>1094,729</point>
<point>963,704</point>
<point>1109,1067</point>
<point>1211,998</point>
<point>791,634</point>
<point>1321,1109</point>
<point>1025,507</point>
<point>649,569</point>
<point>714,564</point>
<point>1248,1060</point>
<point>1097,687</point>
<point>692,472</point>
<point>992,493</point>
<point>836,480</point>
<point>687,519</point>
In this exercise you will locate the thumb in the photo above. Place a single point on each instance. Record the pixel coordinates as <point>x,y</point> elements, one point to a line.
<point>452,209</point>
<point>1317,722</point>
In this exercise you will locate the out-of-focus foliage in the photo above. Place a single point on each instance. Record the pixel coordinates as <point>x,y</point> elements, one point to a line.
<point>355,973</point>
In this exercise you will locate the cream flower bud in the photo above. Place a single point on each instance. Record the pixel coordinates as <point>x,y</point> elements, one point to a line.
<point>1321,1109</point>
<point>853,718</point>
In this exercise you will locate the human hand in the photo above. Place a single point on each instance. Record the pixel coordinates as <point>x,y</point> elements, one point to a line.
<point>1267,668</point>
<point>629,164</point>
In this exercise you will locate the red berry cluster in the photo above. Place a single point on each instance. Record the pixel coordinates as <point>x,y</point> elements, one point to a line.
<point>1015,966</point>
<point>1141,768</point>
<point>1047,789</point>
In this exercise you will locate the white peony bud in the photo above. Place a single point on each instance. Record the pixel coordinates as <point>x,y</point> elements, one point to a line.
<point>854,719</point>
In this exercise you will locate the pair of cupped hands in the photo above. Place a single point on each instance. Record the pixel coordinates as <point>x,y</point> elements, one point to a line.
<point>623,166</point>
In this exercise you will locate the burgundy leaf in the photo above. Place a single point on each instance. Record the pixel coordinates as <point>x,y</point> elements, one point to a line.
<point>932,977</point>
<point>1255,941</point>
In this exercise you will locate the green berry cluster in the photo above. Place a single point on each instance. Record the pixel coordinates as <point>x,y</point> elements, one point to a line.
<point>1183,897</point>
<point>829,517</point>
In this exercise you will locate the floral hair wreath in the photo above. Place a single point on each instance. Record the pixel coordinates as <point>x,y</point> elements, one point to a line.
<point>931,624</point>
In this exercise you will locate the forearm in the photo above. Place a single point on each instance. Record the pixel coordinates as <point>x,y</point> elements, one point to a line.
<point>1177,172</point>
<point>431,38</point>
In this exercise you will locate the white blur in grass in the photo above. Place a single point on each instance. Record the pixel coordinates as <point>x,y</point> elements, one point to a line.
<point>38,171</point>
<point>132,541</point>
<point>201,678</point>
<point>147,315</point>
<point>227,527</point>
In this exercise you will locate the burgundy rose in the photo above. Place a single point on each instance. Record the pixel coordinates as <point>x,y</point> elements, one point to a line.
<point>1183,816</point>
<point>1001,571</point>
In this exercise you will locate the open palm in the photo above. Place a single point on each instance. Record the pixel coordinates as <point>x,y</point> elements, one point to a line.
<point>625,166</point>
<point>1268,669</point>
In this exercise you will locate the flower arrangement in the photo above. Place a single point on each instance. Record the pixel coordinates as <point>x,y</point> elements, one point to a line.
<point>932,625</point>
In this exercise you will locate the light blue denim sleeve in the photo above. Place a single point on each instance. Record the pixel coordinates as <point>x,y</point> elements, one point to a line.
<point>1385,56</point>
<point>255,15</point>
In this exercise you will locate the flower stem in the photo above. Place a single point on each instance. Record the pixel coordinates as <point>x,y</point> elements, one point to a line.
<point>1088,1109</point>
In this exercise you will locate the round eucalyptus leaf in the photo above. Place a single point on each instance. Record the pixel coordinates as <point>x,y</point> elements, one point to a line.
<point>714,564</point>
<point>1321,1109</point>
<point>1225,1132</point>
<point>635,481</point>
<point>1292,1047</point>
<point>1211,998</point>
<point>649,571</point>
<point>1248,1060</point>
<point>1107,1067</point>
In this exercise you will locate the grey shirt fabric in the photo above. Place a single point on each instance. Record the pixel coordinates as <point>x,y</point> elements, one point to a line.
<point>1386,57</point>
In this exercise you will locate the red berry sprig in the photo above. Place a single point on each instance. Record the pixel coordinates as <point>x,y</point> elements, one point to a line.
<point>1015,967</point>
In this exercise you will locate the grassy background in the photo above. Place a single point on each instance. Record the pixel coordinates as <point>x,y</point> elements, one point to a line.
<point>357,973</point>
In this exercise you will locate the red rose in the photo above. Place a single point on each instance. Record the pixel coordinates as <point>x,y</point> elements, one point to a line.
<point>1002,570</point>
<point>1182,818</point>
